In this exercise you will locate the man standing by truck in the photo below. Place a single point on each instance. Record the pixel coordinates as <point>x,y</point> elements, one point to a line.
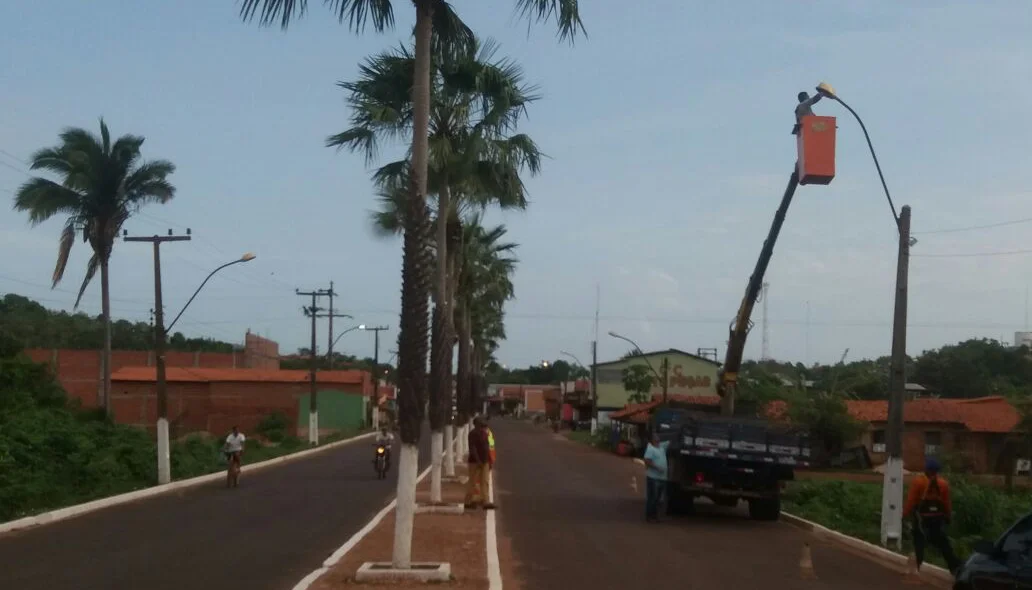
<point>655,476</point>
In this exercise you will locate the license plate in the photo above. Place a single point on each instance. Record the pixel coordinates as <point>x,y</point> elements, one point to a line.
<point>704,484</point>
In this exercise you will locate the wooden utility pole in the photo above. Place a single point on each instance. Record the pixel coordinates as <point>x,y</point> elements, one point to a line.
<point>666,378</point>
<point>329,340</point>
<point>313,404</point>
<point>892,497</point>
<point>164,458</point>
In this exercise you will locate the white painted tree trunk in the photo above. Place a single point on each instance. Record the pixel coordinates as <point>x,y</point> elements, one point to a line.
<point>449,450</point>
<point>892,503</point>
<point>464,441</point>
<point>408,466</point>
<point>376,417</point>
<point>436,459</point>
<point>164,460</point>
<point>313,428</point>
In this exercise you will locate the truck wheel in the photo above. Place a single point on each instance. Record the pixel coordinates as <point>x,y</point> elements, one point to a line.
<point>765,509</point>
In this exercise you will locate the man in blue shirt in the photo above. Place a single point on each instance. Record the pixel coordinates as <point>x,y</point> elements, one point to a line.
<point>655,476</point>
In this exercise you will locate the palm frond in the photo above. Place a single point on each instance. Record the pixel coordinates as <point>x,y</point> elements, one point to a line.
<point>565,12</point>
<point>64,248</point>
<point>356,12</point>
<point>91,270</point>
<point>451,36</point>
<point>356,139</point>
<point>43,199</point>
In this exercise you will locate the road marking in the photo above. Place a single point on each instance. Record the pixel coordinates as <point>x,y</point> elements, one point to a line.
<point>355,539</point>
<point>494,569</point>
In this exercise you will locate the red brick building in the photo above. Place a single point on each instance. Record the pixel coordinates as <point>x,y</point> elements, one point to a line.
<point>213,400</point>
<point>79,372</point>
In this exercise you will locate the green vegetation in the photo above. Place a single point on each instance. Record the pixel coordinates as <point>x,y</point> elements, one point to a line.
<point>599,440</point>
<point>35,326</point>
<point>854,508</point>
<point>54,454</point>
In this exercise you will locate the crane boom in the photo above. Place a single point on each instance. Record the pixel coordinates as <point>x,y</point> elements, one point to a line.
<point>727,382</point>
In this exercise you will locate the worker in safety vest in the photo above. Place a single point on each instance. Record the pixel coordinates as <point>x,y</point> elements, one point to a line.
<point>490,445</point>
<point>930,508</point>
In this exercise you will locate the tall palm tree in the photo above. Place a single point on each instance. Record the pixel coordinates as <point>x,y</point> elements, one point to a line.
<point>103,183</point>
<point>476,101</point>
<point>484,286</point>
<point>431,16</point>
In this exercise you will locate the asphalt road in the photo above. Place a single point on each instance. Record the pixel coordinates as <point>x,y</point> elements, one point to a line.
<point>270,532</point>
<point>574,521</point>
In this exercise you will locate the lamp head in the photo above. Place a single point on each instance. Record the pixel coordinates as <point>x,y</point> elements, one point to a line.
<point>361,326</point>
<point>247,257</point>
<point>614,334</point>
<point>825,90</point>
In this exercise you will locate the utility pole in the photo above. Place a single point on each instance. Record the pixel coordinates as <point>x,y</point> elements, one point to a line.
<point>313,404</point>
<point>892,494</point>
<point>666,378</point>
<point>376,372</point>
<point>164,458</point>
<point>594,362</point>
<point>329,346</point>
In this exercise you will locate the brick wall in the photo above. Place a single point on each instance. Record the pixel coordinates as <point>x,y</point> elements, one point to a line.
<point>79,373</point>
<point>976,449</point>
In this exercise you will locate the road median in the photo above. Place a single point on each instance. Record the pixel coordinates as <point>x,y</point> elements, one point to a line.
<point>466,542</point>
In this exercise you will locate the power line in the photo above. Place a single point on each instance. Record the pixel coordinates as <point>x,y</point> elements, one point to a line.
<point>973,254</point>
<point>975,227</point>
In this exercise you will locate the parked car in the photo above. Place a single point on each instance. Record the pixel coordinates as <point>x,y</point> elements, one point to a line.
<point>1006,563</point>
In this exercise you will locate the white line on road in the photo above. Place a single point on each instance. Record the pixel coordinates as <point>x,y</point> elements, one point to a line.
<point>494,570</point>
<point>354,540</point>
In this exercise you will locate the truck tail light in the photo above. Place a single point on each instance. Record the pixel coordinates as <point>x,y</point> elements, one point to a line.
<point>699,477</point>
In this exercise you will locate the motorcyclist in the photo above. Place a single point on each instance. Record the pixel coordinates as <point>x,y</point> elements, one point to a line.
<point>385,439</point>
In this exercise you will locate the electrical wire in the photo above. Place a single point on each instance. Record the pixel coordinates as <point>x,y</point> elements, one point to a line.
<point>974,227</point>
<point>870,145</point>
<point>973,254</point>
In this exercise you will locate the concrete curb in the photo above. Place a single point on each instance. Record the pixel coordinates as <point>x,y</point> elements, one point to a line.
<point>80,509</point>
<point>930,573</point>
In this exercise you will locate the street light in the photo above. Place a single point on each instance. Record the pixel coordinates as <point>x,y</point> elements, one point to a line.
<point>646,359</point>
<point>892,487</point>
<point>339,336</point>
<point>161,332</point>
<point>594,397</point>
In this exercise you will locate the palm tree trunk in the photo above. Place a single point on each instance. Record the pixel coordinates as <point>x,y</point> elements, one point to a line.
<point>105,306</point>
<point>414,297</point>
<point>440,360</point>
<point>454,238</point>
<point>462,384</point>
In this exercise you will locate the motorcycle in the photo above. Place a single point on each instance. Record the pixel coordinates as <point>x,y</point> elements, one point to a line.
<point>381,462</point>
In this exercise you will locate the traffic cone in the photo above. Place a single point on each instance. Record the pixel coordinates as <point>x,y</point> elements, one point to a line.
<point>912,575</point>
<point>806,564</point>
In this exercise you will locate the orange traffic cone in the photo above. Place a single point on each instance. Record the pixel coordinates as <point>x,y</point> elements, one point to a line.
<point>912,575</point>
<point>806,564</point>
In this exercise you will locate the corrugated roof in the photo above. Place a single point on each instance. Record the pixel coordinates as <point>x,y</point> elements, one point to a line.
<point>639,413</point>
<point>204,375</point>
<point>985,414</point>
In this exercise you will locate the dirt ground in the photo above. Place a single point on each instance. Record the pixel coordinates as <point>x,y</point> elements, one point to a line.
<point>456,539</point>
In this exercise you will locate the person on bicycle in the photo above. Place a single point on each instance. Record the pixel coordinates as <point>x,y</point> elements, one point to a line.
<point>234,445</point>
<point>385,438</point>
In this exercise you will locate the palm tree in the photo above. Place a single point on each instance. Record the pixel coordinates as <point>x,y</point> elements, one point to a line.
<point>431,16</point>
<point>476,100</point>
<point>484,286</point>
<point>102,185</point>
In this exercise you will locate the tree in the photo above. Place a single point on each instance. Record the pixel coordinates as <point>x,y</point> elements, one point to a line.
<point>475,100</point>
<point>431,15</point>
<point>638,380</point>
<point>103,183</point>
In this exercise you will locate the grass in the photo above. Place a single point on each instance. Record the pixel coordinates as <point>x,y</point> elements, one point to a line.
<point>854,508</point>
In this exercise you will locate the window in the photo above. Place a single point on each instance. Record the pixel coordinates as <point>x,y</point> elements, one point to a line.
<point>933,442</point>
<point>878,441</point>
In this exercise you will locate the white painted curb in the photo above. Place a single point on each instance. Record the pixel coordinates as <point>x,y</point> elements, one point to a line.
<point>80,509</point>
<point>494,569</point>
<point>929,572</point>
<point>337,555</point>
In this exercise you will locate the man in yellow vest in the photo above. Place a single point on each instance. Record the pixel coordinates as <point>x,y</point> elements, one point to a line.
<point>490,442</point>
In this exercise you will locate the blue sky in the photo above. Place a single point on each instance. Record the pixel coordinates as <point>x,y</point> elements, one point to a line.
<point>668,136</point>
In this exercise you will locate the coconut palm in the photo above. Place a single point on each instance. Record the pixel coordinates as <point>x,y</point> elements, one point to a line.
<point>431,16</point>
<point>103,183</point>
<point>476,102</point>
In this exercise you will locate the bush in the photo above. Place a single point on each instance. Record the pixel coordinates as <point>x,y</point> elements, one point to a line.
<point>273,427</point>
<point>854,508</point>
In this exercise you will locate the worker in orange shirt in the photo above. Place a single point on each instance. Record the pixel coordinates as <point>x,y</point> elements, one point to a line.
<point>929,506</point>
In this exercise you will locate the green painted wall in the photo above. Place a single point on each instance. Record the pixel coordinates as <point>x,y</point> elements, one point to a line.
<point>688,375</point>
<point>337,410</point>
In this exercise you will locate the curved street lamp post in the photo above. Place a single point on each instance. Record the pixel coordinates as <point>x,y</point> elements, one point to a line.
<point>662,378</point>
<point>892,487</point>
<point>161,333</point>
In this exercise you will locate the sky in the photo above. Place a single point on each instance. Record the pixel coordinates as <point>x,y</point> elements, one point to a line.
<point>667,131</point>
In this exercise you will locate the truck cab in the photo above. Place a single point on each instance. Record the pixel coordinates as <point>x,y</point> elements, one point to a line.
<point>728,459</point>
